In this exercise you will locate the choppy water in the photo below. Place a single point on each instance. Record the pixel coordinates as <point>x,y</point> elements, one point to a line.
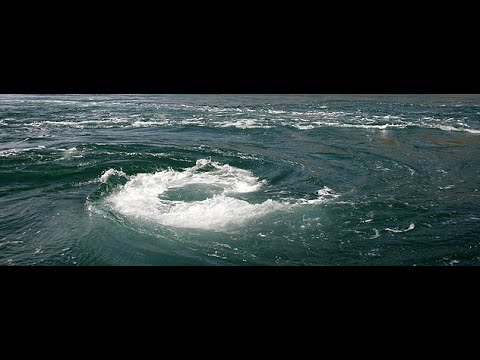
<point>239,179</point>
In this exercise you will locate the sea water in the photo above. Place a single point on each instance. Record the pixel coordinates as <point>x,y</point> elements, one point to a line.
<point>239,179</point>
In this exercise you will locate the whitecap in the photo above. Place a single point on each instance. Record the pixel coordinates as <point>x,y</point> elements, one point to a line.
<point>106,122</point>
<point>246,124</point>
<point>109,173</point>
<point>13,152</point>
<point>139,123</point>
<point>324,195</point>
<point>377,234</point>
<point>411,227</point>
<point>304,127</point>
<point>448,187</point>
<point>276,112</point>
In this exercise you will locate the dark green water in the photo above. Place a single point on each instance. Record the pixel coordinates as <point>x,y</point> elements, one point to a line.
<point>239,180</point>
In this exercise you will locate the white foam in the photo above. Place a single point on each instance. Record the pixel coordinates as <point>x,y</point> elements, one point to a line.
<point>411,227</point>
<point>192,121</point>
<point>365,126</point>
<point>307,125</point>
<point>303,127</point>
<point>447,124</point>
<point>377,234</point>
<point>310,124</point>
<point>143,197</point>
<point>111,172</point>
<point>9,152</point>
<point>246,124</point>
<point>326,191</point>
<point>148,197</point>
<point>452,128</point>
<point>13,152</point>
<point>139,123</point>
<point>324,195</point>
<point>216,213</point>
<point>70,153</point>
<point>204,172</point>
<point>107,122</point>
<point>276,112</point>
<point>72,149</point>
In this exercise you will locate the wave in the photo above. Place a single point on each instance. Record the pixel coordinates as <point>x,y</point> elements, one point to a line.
<point>261,119</point>
<point>147,123</point>
<point>410,227</point>
<point>401,125</point>
<point>14,152</point>
<point>453,128</point>
<point>107,174</point>
<point>80,124</point>
<point>246,124</point>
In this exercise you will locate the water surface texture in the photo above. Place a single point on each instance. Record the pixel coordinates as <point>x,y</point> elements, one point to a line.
<point>239,180</point>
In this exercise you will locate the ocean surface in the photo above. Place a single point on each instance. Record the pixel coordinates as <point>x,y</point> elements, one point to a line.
<point>239,180</point>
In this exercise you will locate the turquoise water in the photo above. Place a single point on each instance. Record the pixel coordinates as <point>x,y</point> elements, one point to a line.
<point>239,180</point>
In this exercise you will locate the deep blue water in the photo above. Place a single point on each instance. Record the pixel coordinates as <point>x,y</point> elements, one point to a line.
<point>239,180</point>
